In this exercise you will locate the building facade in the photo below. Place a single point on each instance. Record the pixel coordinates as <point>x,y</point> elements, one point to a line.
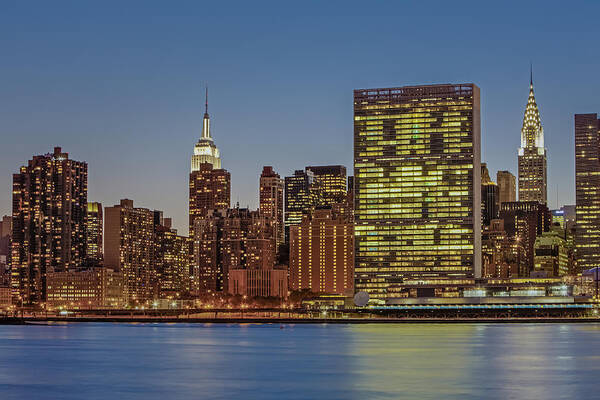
<point>49,222</point>
<point>210,189</point>
<point>271,282</point>
<point>532,154</point>
<point>95,226</point>
<point>489,197</point>
<point>322,253</point>
<point>587,191</point>
<point>507,187</point>
<point>91,288</point>
<point>172,263</point>
<point>302,194</point>
<point>271,201</point>
<point>332,180</point>
<point>417,186</point>
<point>129,248</point>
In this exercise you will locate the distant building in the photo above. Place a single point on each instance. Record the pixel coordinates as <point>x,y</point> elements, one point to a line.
<point>587,191</point>
<point>489,197</point>
<point>5,240</point>
<point>302,194</point>
<point>5,297</point>
<point>171,262</point>
<point>551,254</point>
<point>322,253</point>
<point>49,222</point>
<point>210,189</point>
<point>129,248</point>
<point>271,201</point>
<point>417,186</point>
<point>205,151</point>
<point>503,256</point>
<point>230,239</point>
<point>507,187</point>
<point>524,222</point>
<point>332,181</point>
<point>271,282</point>
<point>91,288</point>
<point>565,217</point>
<point>532,154</point>
<point>95,224</point>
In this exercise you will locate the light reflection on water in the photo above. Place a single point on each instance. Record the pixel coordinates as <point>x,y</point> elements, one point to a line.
<point>412,361</point>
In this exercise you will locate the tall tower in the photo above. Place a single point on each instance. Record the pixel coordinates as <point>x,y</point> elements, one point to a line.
<point>417,186</point>
<point>205,151</point>
<point>49,222</point>
<point>587,191</point>
<point>271,201</point>
<point>532,154</point>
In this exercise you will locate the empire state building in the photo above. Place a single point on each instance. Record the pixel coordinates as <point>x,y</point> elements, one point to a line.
<point>532,154</point>
<point>205,150</point>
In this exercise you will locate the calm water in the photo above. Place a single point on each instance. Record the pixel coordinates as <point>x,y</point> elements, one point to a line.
<point>159,361</point>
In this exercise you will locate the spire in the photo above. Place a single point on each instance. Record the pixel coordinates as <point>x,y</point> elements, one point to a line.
<point>206,119</point>
<point>532,134</point>
<point>530,74</point>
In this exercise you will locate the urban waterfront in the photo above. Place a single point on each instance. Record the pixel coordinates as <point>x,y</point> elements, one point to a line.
<point>272,361</point>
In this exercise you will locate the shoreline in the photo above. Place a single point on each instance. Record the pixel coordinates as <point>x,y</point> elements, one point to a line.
<point>145,320</point>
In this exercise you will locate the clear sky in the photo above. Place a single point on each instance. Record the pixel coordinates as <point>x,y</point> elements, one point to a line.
<point>121,84</point>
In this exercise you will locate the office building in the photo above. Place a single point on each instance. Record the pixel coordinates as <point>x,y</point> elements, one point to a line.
<point>507,187</point>
<point>587,191</point>
<point>49,222</point>
<point>532,154</point>
<point>332,181</point>
<point>95,225</point>
<point>551,254</point>
<point>271,201</point>
<point>322,253</point>
<point>302,194</point>
<point>171,262</point>
<point>417,186</point>
<point>129,248</point>
<point>210,189</point>
<point>489,197</point>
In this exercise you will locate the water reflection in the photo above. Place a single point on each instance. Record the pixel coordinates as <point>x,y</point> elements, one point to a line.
<point>424,361</point>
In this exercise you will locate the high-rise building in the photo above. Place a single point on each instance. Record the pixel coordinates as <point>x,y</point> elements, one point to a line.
<point>5,240</point>
<point>489,197</point>
<point>302,194</point>
<point>524,221</point>
<point>129,248</point>
<point>210,189</point>
<point>205,151</point>
<point>417,186</point>
<point>532,154</point>
<point>507,187</point>
<point>94,232</point>
<point>171,262</point>
<point>49,222</point>
<point>587,191</point>
<point>271,201</point>
<point>230,239</point>
<point>322,253</point>
<point>332,180</point>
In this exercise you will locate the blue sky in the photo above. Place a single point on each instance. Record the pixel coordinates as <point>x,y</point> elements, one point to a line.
<point>121,84</point>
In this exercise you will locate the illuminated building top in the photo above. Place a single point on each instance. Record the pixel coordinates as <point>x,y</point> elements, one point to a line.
<point>205,150</point>
<point>532,133</point>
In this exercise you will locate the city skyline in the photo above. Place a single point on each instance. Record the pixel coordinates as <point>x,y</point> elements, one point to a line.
<point>139,128</point>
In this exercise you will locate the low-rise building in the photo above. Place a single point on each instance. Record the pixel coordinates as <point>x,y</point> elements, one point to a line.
<point>259,282</point>
<point>95,287</point>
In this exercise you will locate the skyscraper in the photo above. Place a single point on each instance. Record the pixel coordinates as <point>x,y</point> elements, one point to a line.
<point>417,186</point>
<point>489,197</point>
<point>332,180</point>
<point>205,151</point>
<point>210,189</point>
<point>271,201</point>
<point>587,191</point>
<point>302,194</point>
<point>532,154</point>
<point>94,232</point>
<point>49,222</point>
<point>129,248</point>
<point>507,187</point>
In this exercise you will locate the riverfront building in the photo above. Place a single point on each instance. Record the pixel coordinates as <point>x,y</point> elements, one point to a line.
<point>532,154</point>
<point>417,186</point>
<point>49,222</point>
<point>587,191</point>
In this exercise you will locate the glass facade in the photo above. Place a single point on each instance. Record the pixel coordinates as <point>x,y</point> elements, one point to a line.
<point>417,186</point>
